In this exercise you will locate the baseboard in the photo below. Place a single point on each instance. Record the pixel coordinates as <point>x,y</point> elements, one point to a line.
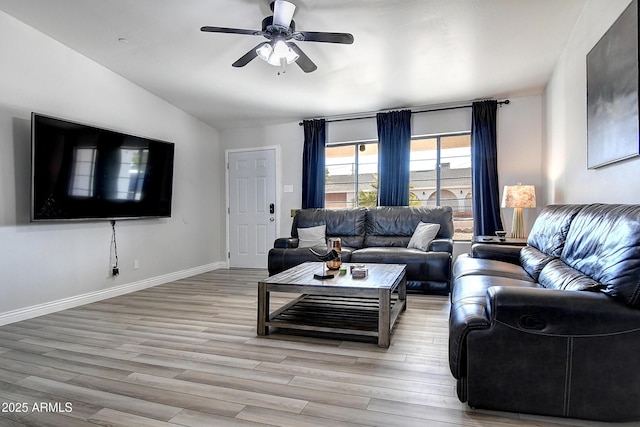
<point>75,301</point>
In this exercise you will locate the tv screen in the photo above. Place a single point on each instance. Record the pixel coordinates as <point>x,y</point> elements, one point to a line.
<point>81,172</point>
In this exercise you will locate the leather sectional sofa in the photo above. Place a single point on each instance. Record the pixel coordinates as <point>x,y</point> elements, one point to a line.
<point>553,328</point>
<point>377,235</point>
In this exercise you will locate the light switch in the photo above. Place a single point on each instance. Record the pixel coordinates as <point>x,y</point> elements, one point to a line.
<point>288,188</point>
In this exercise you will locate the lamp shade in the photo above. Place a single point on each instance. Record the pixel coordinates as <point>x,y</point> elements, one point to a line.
<point>519,196</point>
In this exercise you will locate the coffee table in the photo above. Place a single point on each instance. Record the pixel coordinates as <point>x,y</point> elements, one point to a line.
<point>342,305</point>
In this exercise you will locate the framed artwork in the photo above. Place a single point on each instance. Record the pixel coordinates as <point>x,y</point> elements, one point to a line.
<point>612,93</point>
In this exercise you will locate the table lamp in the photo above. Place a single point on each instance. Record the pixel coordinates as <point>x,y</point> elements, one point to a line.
<point>518,197</point>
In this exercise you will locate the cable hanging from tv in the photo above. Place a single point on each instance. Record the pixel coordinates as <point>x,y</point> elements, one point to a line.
<point>113,260</point>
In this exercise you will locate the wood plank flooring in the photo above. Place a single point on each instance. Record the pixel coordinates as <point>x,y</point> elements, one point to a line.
<point>186,354</point>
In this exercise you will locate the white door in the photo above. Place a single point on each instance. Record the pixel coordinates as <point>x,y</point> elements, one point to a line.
<point>252,207</point>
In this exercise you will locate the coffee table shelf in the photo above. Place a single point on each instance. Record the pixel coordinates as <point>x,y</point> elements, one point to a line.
<point>331,314</point>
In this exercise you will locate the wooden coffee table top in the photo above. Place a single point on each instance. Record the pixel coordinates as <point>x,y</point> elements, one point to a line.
<point>380,276</point>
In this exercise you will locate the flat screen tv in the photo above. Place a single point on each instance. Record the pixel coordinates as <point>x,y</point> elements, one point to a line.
<point>81,172</point>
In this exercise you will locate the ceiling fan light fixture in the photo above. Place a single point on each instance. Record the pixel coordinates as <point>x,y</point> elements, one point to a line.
<point>291,56</point>
<point>282,50</point>
<point>275,54</point>
<point>275,61</point>
<point>264,51</point>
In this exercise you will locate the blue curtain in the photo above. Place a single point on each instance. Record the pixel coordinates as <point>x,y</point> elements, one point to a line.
<point>313,163</point>
<point>484,158</point>
<point>394,149</point>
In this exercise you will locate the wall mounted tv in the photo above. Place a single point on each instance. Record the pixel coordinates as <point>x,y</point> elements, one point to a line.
<point>81,172</point>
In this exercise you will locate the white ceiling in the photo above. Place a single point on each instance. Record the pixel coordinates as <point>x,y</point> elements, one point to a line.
<point>407,53</point>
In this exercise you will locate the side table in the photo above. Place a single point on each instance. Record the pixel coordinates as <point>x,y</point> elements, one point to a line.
<point>494,240</point>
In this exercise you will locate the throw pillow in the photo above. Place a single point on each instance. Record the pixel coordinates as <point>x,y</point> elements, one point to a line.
<point>423,235</point>
<point>312,236</point>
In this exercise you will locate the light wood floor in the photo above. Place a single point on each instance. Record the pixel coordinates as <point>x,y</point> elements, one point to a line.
<point>186,354</point>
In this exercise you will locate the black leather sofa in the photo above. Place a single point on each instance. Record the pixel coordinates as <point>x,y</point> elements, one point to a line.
<point>377,235</point>
<point>556,331</point>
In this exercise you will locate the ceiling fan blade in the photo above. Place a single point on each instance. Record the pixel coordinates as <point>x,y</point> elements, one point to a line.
<point>303,60</point>
<point>283,13</point>
<point>208,29</point>
<point>248,57</point>
<point>312,36</point>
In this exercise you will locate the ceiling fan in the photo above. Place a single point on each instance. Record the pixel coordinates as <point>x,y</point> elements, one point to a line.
<point>280,32</point>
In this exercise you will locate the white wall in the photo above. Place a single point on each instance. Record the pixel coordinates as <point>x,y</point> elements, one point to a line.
<point>520,152</point>
<point>519,147</point>
<point>46,267</point>
<point>565,116</point>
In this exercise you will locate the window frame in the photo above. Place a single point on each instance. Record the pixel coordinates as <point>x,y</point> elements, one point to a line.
<point>356,163</point>
<point>438,168</point>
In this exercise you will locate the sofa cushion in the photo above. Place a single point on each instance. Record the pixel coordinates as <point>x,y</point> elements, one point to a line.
<point>547,238</point>
<point>473,289</point>
<point>394,225</point>
<point>549,231</point>
<point>312,236</point>
<point>533,261</point>
<point>347,224</point>
<point>421,266</point>
<point>423,236</point>
<point>604,244</point>
<point>466,265</point>
<point>558,275</point>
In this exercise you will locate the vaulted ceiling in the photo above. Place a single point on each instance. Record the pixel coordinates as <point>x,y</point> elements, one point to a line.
<point>407,53</point>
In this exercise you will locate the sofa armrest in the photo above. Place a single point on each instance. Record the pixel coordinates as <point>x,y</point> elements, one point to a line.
<point>441,245</point>
<point>286,242</point>
<point>507,253</point>
<point>463,318</point>
<point>561,353</point>
<point>560,313</point>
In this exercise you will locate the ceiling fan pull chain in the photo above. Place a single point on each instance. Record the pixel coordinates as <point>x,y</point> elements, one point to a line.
<point>283,66</point>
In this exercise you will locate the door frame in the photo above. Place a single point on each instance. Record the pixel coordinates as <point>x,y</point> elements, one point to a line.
<point>278,171</point>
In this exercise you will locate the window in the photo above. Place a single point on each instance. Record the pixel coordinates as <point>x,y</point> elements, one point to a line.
<point>133,165</point>
<point>351,175</point>
<point>83,174</point>
<point>440,176</point>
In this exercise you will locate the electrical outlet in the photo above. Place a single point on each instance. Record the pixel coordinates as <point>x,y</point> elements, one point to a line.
<point>136,264</point>
<point>115,271</point>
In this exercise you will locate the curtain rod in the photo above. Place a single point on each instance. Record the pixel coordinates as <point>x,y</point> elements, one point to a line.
<point>429,110</point>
